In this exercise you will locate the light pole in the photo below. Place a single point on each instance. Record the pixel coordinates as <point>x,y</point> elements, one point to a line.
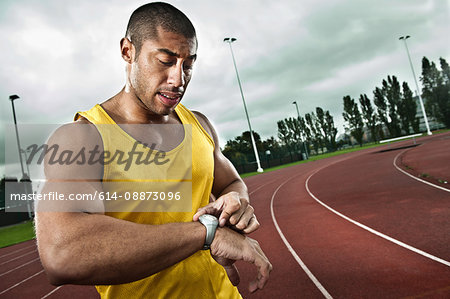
<point>26,160</point>
<point>298,113</point>
<point>12,98</point>
<point>25,179</point>
<point>229,40</point>
<point>404,38</point>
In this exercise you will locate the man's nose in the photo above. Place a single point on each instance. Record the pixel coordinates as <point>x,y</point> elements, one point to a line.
<point>176,75</point>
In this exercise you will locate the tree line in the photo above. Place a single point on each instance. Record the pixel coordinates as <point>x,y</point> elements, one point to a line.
<point>390,112</point>
<point>394,109</point>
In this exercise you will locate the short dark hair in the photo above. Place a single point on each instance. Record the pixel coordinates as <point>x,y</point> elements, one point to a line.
<point>145,20</point>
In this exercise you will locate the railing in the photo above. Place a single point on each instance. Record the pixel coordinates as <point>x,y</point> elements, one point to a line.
<point>402,137</point>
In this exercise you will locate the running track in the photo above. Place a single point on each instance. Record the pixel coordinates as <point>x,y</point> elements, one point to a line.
<point>315,221</point>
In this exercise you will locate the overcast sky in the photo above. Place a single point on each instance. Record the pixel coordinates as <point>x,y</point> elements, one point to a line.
<point>63,56</point>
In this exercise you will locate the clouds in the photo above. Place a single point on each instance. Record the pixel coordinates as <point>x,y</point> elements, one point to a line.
<point>61,57</point>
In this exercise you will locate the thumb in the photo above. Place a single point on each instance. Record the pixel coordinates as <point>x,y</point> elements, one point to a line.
<point>212,209</point>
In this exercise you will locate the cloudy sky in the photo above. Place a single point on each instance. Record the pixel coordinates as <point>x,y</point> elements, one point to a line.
<point>63,56</point>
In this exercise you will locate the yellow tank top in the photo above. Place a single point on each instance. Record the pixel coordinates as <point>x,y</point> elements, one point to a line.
<point>198,276</point>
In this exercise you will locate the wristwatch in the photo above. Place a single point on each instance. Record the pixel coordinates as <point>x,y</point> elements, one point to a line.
<point>210,222</point>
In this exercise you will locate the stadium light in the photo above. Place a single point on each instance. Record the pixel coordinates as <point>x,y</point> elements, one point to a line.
<point>12,98</point>
<point>230,40</point>
<point>404,38</point>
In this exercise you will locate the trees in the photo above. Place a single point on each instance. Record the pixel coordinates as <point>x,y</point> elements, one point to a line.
<point>369,116</point>
<point>379,100</point>
<point>315,139</point>
<point>436,90</point>
<point>286,136</point>
<point>393,96</point>
<point>317,129</point>
<point>331,130</point>
<point>354,120</point>
<point>240,150</point>
<point>396,108</point>
<point>293,126</point>
<point>407,111</point>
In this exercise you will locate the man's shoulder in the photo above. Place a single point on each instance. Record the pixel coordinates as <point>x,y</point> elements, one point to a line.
<point>206,124</point>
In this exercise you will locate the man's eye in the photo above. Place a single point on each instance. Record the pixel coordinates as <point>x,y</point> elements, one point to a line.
<point>167,63</point>
<point>188,66</point>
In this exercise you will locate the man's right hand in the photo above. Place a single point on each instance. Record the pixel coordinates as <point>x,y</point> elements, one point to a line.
<point>234,246</point>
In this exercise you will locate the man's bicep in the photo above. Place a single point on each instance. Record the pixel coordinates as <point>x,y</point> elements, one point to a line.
<point>72,178</point>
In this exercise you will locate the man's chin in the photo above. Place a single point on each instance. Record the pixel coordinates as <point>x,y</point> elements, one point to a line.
<point>167,110</point>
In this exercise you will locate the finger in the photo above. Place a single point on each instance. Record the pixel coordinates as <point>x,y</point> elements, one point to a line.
<point>224,217</point>
<point>231,210</point>
<point>245,218</point>
<point>252,225</point>
<point>236,209</point>
<point>212,209</point>
<point>264,268</point>
<point>199,213</point>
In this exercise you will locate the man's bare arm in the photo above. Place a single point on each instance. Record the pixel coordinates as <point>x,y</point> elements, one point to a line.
<point>92,248</point>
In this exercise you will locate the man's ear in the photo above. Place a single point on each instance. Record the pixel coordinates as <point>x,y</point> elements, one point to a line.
<point>127,50</point>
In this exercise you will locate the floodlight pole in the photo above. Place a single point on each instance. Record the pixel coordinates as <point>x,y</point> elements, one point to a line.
<point>229,40</point>
<point>298,113</point>
<point>404,38</point>
<point>12,98</point>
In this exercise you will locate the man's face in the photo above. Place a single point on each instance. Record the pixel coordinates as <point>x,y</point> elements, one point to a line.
<point>161,73</point>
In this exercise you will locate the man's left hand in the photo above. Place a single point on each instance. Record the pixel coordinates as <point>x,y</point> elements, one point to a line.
<point>232,210</point>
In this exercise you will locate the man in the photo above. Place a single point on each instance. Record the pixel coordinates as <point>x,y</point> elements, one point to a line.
<point>150,255</point>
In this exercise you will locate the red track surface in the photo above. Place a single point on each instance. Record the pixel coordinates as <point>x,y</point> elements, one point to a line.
<point>347,260</point>
<point>427,161</point>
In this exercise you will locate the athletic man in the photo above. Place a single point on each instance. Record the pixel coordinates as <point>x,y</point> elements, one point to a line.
<point>150,255</point>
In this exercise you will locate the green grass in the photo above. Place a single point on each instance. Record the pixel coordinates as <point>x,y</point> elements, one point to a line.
<point>16,233</point>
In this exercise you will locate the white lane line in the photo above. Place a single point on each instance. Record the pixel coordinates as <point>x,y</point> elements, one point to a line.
<point>404,245</point>
<point>410,175</point>
<point>18,257</point>
<point>262,186</point>
<point>23,265</point>
<point>292,251</point>
<point>51,292</point>
<point>15,251</point>
<point>19,283</point>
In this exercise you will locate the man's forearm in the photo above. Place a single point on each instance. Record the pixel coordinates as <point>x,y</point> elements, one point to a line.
<point>84,248</point>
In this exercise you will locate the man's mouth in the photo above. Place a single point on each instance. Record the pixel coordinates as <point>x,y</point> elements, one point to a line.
<point>169,98</point>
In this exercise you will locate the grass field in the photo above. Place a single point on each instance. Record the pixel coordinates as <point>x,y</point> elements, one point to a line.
<point>17,233</point>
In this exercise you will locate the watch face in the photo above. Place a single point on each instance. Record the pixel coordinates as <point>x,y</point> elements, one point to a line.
<point>209,218</point>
